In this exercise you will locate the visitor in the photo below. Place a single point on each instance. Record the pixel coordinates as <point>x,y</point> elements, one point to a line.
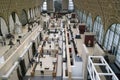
<point>29,29</point>
<point>11,43</point>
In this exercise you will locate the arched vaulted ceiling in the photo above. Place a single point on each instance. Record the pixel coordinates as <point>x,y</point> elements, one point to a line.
<point>9,6</point>
<point>108,10</point>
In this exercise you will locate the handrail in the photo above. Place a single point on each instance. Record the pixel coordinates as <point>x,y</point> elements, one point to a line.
<point>10,71</point>
<point>18,51</point>
<point>10,51</point>
<point>68,57</point>
<point>95,71</point>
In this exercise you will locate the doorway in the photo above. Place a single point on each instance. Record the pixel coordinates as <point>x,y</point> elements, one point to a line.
<point>18,74</point>
<point>23,67</point>
<point>33,48</point>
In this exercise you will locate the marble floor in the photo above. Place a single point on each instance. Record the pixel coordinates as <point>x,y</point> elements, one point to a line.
<point>42,78</point>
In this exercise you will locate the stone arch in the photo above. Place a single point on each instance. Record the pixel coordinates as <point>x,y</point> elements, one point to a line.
<point>84,15</point>
<point>81,13</point>
<point>29,13</point>
<point>89,22</point>
<point>23,18</point>
<point>35,11</point>
<point>88,14</point>
<point>94,19</point>
<point>99,30</point>
<point>108,28</point>
<point>110,32</point>
<point>112,20</point>
<point>34,15</point>
<point>2,15</point>
<point>14,23</point>
<point>32,12</point>
<point>3,27</point>
<point>11,24</point>
<point>38,11</point>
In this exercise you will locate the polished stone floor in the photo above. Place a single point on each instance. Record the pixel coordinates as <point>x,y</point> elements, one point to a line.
<point>4,49</point>
<point>42,78</point>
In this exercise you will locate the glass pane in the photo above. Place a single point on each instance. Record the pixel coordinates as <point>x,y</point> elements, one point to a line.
<point>89,23</point>
<point>106,39</point>
<point>101,32</point>
<point>118,54</point>
<point>84,17</point>
<point>95,25</point>
<point>116,38</point>
<point>118,28</point>
<point>110,40</point>
<point>113,27</point>
<point>81,15</point>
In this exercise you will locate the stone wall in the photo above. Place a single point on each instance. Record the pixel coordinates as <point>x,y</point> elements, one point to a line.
<point>9,6</point>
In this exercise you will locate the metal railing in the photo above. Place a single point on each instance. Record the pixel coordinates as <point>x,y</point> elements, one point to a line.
<point>98,69</point>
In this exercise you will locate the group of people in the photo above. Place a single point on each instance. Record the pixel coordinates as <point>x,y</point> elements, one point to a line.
<point>3,40</point>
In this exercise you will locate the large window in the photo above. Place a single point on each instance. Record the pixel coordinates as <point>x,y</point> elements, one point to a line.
<point>70,6</point>
<point>84,17</point>
<point>106,39</point>
<point>112,41</point>
<point>98,29</point>
<point>44,7</point>
<point>57,5</point>
<point>118,56</point>
<point>109,41</point>
<point>3,27</point>
<point>111,34</point>
<point>80,15</point>
<point>89,22</point>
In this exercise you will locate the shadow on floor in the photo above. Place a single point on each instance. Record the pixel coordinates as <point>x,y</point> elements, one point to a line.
<point>42,78</point>
<point>78,58</point>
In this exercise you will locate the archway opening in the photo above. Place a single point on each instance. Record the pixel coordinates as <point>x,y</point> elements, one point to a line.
<point>23,18</point>
<point>15,25</point>
<point>98,29</point>
<point>3,27</point>
<point>112,42</point>
<point>57,5</point>
<point>89,23</point>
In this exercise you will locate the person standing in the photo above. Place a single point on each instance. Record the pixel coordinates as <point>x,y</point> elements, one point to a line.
<point>29,29</point>
<point>11,43</point>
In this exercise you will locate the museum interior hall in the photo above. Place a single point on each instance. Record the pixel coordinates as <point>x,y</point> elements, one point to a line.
<point>59,39</point>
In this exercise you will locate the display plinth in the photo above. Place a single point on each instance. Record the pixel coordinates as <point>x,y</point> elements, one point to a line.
<point>89,39</point>
<point>81,28</point>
